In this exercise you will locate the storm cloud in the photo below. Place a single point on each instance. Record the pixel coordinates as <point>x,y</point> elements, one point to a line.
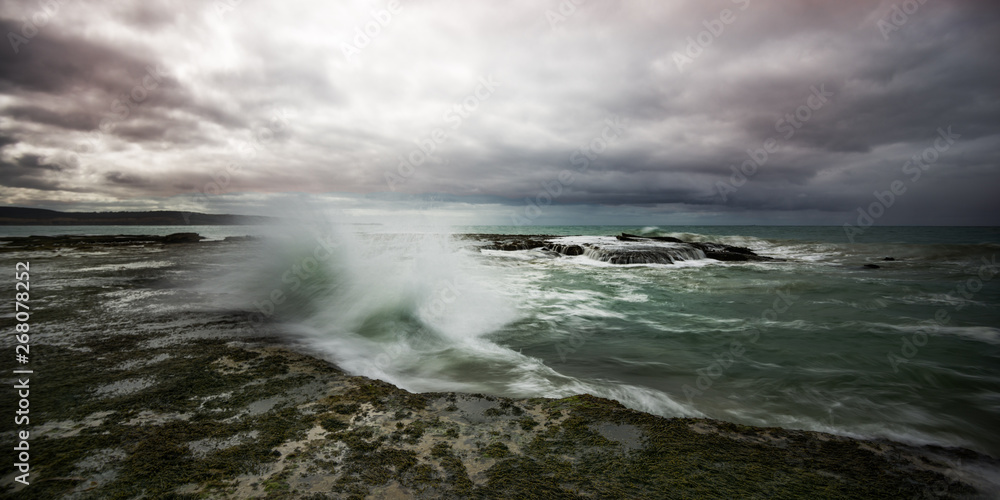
<point>731,111</point>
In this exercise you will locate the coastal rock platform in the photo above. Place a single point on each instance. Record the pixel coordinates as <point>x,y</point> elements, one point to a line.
<point>188,403</point>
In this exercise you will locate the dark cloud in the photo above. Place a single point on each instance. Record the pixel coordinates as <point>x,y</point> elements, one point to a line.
<point>30,171</point>
<point>35,161</point>
<point>261,100</point>
<point>116,177</point>
<point>56,65</point>
<point>7,140</point>
<point>73,120</point>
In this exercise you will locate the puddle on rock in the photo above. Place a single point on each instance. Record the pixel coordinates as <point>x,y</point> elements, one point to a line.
<point>203,447</point>
<point>124,387</point>
<point>629,436</point>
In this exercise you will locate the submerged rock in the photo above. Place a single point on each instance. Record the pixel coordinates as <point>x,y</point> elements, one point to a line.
<point>565,249</point>
<point>624,248</point>
<point>643,254</point>
<point>729,253</point>
<point>509,242</point>
<point>632,237</point>
<point>183,238</point>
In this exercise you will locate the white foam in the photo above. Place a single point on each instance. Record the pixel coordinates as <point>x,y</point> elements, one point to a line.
<point>986,334</point>
<point>153,264</point>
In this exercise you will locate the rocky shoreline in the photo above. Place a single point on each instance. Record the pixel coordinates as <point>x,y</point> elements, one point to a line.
<point>183,403</point>
<point>246,418</point>
<point>629,248</point>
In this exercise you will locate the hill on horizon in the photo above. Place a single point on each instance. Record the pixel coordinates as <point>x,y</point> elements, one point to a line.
<point>22,216</point>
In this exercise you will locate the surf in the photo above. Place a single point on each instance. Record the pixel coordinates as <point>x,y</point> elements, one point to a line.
<point>419,310</point>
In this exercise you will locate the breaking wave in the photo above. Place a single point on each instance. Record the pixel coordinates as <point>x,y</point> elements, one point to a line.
<point>420,311</point>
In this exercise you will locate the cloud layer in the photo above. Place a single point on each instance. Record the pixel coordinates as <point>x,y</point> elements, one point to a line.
<point>545,112</point>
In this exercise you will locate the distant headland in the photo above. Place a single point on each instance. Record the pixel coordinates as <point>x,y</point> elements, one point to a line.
<point>19,216</point>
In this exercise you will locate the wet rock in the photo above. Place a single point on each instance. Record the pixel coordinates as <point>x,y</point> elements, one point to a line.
<point>640,254</point>
<point>632,237</point>
<point>508,242</point>
<point>643,254</point>
<point>565,249</point>
<point>716,251</point>
<point>522,244</point>
<point>182,238</point>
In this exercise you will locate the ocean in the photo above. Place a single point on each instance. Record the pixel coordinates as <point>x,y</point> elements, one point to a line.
<point>908,350</point>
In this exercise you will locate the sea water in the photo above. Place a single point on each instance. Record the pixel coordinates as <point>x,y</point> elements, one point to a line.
<point>814,340</point>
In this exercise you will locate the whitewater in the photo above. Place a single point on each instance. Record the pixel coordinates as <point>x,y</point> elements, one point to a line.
<point>898,337</point>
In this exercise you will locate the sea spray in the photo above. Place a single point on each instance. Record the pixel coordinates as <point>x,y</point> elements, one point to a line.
<point>422,311</point>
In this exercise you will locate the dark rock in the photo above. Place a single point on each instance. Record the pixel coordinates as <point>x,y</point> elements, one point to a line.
<point>632,237</point>
<point>889,259</point>
<point>519,244</point>
<point>641,254</point>
<point>507,242</point>
<point>872,266</point>
<point>727,253</point>
<point>732,256</point>
<point>182,238</point>
<point>716,251</point>
<point>565,249</point>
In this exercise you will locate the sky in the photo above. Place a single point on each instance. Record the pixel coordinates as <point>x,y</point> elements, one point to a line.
<point>515,112</point>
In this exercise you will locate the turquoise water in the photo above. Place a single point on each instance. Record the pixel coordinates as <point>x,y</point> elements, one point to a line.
<point>908,351</point>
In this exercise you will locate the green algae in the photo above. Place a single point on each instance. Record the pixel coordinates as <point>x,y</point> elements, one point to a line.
<point>495,449</point>
<point>527,423</point>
